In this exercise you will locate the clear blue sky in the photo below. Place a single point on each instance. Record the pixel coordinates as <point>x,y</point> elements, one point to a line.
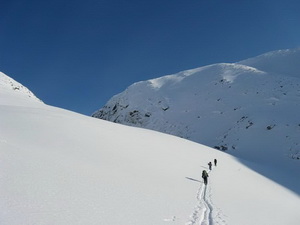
<point>77,54</point>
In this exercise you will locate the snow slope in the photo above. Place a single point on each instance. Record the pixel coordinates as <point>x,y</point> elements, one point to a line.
<point>19,93</point>
<point>243,108</point>
<point>59,167</point>
<point>285,62</point>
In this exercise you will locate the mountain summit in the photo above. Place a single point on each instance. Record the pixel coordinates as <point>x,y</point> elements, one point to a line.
<point>285,62</point>
<point>250,108</point>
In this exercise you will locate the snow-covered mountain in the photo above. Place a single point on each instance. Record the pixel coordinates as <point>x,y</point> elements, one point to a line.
<point>250,109</point>
<point>18,94</point>
<point>283,62</point>
<point>63,168</point>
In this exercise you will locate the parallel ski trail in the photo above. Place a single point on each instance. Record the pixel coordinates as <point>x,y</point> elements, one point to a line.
<point>216,216</point>
<point>205,213</point>
<point>202,211</point>
<point>208,210</point>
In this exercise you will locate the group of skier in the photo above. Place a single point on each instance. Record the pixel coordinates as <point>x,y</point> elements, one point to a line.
<point>204,172</point>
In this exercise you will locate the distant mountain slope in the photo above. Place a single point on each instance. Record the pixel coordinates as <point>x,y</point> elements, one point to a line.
<point>249,112</point>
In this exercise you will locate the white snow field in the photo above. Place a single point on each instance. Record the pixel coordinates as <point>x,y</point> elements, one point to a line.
<point>62,168</point>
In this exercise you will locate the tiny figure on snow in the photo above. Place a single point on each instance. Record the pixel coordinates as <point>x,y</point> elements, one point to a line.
<point>204,176</point>
<point>215,161</point>
<point>209,165</point>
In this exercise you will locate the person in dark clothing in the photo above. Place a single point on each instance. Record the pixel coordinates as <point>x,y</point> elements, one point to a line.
<point>209,165</point>
<point>215,161</point>
<point>204,176</point>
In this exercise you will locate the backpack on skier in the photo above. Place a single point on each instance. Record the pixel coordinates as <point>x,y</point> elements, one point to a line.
<point>204,174</point>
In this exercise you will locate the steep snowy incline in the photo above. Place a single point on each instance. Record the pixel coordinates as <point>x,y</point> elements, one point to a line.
<point>232,107</point>
<point>59,167</point>
<point>19,93</point>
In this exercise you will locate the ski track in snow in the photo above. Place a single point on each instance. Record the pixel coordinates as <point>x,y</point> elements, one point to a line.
<point>205,213</point>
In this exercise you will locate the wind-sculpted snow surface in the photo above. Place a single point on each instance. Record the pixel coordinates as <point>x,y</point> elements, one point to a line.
<point>59,167</point>
<point>249,112</point>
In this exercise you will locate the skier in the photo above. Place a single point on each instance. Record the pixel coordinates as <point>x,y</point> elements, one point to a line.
<point>209,165</point>
<point>204,176</point>
<point>215,161</point>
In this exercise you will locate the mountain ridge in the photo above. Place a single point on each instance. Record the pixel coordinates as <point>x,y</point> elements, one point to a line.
<point>285,62</point>
<point>219,105</point>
